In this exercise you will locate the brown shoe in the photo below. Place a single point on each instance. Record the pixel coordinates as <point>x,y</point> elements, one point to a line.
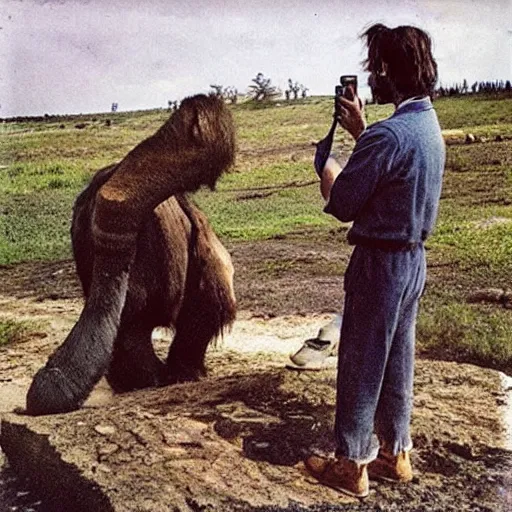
<point>341,474</point>
<point>391,468</point>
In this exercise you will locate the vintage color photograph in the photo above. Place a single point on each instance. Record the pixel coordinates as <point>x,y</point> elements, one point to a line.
<point>255,256</point>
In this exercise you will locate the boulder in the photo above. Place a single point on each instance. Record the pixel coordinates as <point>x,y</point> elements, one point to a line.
<point>236,441</point>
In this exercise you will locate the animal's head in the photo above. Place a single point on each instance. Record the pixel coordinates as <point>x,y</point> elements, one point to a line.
<point>203,128</point>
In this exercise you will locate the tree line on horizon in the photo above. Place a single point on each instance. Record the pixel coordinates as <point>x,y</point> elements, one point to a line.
<point>262,90</point>
<point>463,88</point>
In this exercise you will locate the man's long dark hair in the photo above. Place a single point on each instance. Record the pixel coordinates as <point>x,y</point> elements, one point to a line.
<point>407,53</point>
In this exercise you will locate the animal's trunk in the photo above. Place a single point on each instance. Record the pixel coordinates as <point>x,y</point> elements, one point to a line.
<point>78,364</point>
<point>191,149</point>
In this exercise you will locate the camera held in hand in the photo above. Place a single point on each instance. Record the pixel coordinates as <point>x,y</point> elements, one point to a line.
<point>347,89</point>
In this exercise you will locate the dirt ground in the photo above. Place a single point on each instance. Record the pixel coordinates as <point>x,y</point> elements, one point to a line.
<point>287,294</point>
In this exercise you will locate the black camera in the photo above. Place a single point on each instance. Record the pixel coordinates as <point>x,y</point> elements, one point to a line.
<point>348,87</point>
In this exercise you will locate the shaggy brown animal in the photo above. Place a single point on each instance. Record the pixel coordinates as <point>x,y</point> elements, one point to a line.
<point>146,256</point>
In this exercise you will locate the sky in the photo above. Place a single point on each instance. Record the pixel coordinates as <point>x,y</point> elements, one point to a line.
<point>80,56</point>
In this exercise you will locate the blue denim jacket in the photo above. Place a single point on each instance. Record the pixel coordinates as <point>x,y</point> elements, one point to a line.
<point>391,184</point>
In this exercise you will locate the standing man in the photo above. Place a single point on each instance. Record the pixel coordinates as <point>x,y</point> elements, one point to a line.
<point>390,189</point>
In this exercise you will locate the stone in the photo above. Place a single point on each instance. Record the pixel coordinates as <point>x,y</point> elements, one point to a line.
<point>161,449</point>
<point>105,430</point>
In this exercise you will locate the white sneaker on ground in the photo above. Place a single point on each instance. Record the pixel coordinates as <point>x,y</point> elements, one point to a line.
<point>315,351</point>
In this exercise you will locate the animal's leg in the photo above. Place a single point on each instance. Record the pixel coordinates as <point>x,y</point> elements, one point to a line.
<point>209,306</point>
<point>195,328</point>
<point>134,363</point>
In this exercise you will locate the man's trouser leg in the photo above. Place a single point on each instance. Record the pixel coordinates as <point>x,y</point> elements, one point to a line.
<point>379,288</point>
<point>393,415</point>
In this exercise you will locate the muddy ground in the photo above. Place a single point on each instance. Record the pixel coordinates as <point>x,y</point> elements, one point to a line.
<point>286,289</point>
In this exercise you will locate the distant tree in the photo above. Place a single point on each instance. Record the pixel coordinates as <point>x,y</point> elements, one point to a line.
<point>494,87</point>
<point>218,90</point>
<point>262,89</point>
<point>303,91</point>
<point>294,88</point>
<point>231,94</point>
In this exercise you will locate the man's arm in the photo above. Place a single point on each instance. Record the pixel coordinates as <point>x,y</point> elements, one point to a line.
<point>372,158</point>
<point>329,175</point>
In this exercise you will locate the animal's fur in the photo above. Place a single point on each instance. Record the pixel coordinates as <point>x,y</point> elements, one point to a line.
<point>146,256</point>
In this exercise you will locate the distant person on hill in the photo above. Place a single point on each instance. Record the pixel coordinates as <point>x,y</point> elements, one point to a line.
<point>390,189</point>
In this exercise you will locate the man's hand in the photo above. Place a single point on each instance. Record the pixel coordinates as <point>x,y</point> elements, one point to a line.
<point>350,114</point>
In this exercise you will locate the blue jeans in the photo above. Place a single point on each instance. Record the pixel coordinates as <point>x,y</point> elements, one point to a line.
<point>376,353</point>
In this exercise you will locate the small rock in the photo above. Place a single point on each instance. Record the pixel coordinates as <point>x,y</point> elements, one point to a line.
<point>108,449</point>
<point>104,468</point>
<point>105,430</point>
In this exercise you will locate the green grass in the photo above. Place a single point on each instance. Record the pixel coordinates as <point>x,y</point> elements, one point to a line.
<point>264,217</point>
<point>449,329</point>
<point>43,166</point>
<point>35,226</point>
<point>268,201</point>
<point>475,112</point>
<point>13,331</point>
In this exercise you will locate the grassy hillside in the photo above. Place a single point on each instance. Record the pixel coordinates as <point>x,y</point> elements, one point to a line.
<point>45,164</point>
<point>272,192</point>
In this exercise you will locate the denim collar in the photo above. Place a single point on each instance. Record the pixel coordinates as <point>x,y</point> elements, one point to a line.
<point>415,106</point>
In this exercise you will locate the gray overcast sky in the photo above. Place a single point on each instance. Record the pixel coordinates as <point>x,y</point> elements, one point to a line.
<point>72,56</point>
